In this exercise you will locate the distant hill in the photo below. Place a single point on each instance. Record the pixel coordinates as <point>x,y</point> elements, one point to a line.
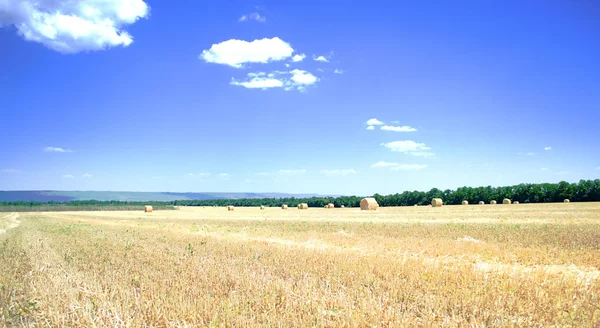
<point>132,196</point>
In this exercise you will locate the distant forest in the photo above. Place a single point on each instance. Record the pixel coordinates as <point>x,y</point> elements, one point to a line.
<point>582,191</point>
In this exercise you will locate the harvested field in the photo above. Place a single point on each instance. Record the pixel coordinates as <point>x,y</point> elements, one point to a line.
<point>527,265</point>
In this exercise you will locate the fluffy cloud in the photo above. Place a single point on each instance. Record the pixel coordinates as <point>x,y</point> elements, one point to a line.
<point>322,59</point>
<point>68,176</point>
<point>374,121</point>
<point>57,150</point>
<point>295,79</point>
<point>298,58</point>
<point>73,26</point>
<point>370,127</point>
<point>409,147</point>
<point>547,148</point>
<point>87,175</point>
<point>338,71</point>
<point>236,53</point>
<point>339,172</point>
<point>9,171</point>
<point>398,128</point>
<point>259,83</point>
<point>253,16</point>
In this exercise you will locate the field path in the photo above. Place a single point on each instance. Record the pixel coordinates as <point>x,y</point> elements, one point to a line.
<point>8,222</point>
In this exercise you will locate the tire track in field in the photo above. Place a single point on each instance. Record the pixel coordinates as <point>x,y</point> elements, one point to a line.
<point>8,222</point>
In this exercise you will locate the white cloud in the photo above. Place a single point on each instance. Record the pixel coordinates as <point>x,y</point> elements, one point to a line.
<point>57,150</point>
<point>370,127</point>
<point>547,148</point>
<point>291,172</point>
<point>10,171</point>
<point>300,77</point>
<point>322,59</point>
<point>68,176</point>
<point>339,172</point>
<point>338,71</point>
<point>384,164</point>
<point>409,147</point>
<point>73,26</point>
<point>199,175</point>
<point>253,16</point>
<point>409,167</point>
<point>528,154</point>
<point>87,175</point>
<point>295,79</point>
<point>545,169</point>
<point>286,65</point>
<point>236,53</point>
<point>403,128</point>
<point>224,176</point>
<point>259,83</point>
<point>298,58</point>
<point>374,121</point>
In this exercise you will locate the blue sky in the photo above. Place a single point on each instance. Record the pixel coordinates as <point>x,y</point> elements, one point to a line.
<point>306,97</point>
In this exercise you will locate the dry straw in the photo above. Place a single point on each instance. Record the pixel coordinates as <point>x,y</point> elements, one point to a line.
<point>230,208</point>
<point>464,202</point>
<point>481,203</point>
<point>493,202</point>
<point>284,207</point>
<point>148,209</point>
<point>516,202</point>
<point>437,202</point>
<point>368,204</point>
<point>330,205</point>
<point>506,201</point>
<point>262,207</point>
<point>342,206</point>
<point>567,201</point>
<point>303,206</point>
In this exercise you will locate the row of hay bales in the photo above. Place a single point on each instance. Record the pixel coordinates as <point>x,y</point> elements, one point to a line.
<point>438,202</point>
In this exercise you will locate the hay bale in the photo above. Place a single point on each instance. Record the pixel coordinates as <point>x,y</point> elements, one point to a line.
<point>493,202</point>
<point>481,203</point>
<point>230,208</point>
<point>284,207</point>
<point>262,207</point>
<point>516,202</point>
<point>330,205</point>
<point>342,206</point>
<point>437,202</point>
<point>506,201</point>
<point>567,201</point>
<point>464,202</point>
<point>148,209</point>
<point>303,206</point>
<point>369,204</point>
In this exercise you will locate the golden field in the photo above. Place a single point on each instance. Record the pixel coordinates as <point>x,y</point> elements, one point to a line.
<point>478,265</point>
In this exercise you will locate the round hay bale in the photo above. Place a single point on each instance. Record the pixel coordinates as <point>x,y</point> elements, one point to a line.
<point>262,207</point>
<point>506,201</point>
<point>567,201</point>
<point>230,208</point>
<point>342,206</point>
<point>330,205</point>
<point>148,209</point>
<point>326,206</point>
<point>481,203</point>
<point>303,206</point>
<point>493,202</point>
<point>437,202</point>
<point>516,202</point>
<point>464,202</point>
<point>369,204</point>
<point>284,207</point>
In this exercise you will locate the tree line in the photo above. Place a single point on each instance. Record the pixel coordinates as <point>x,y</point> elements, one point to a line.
<point>582,191</point>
